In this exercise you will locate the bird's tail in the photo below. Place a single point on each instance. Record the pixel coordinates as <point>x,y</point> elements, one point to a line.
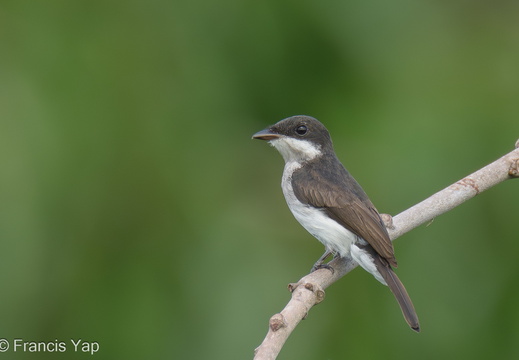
<point>398,289</point>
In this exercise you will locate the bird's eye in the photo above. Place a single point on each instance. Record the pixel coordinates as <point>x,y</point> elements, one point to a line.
<point>301,130</point>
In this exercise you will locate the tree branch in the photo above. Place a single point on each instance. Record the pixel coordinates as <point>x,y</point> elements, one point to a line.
<point>309,291</point>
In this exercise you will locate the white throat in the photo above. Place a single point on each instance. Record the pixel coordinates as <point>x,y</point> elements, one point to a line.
<point>296,150</point>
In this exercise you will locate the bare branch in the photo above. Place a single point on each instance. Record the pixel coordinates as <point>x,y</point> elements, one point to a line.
<point>309,291</point>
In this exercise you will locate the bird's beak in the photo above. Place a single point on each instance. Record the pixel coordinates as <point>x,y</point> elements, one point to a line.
<point>266,134</point>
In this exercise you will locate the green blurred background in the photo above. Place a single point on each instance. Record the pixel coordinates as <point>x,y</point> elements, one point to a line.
<point>137,212</point>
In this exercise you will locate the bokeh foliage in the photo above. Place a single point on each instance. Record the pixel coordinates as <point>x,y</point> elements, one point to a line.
<point>136,211</point>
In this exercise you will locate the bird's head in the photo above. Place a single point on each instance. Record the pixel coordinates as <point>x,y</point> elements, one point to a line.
<point>297,138</point>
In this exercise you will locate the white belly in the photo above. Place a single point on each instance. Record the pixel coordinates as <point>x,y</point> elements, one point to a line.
<point>330,233</point>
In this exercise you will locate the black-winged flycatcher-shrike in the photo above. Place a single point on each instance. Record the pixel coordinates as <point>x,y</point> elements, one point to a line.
<point>330,204</point>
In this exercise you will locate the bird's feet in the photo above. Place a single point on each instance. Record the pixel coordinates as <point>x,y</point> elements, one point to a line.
<point>322,266</point>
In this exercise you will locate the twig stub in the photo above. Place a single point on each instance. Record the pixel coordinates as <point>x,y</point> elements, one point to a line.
<point>388,220</point>
<point>277,322</point>
<point>514,168</point>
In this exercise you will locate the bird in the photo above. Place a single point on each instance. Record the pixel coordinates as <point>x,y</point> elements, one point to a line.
<point>331,205</point>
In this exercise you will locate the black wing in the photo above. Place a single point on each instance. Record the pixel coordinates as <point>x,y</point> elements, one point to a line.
<point>338,193</point>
